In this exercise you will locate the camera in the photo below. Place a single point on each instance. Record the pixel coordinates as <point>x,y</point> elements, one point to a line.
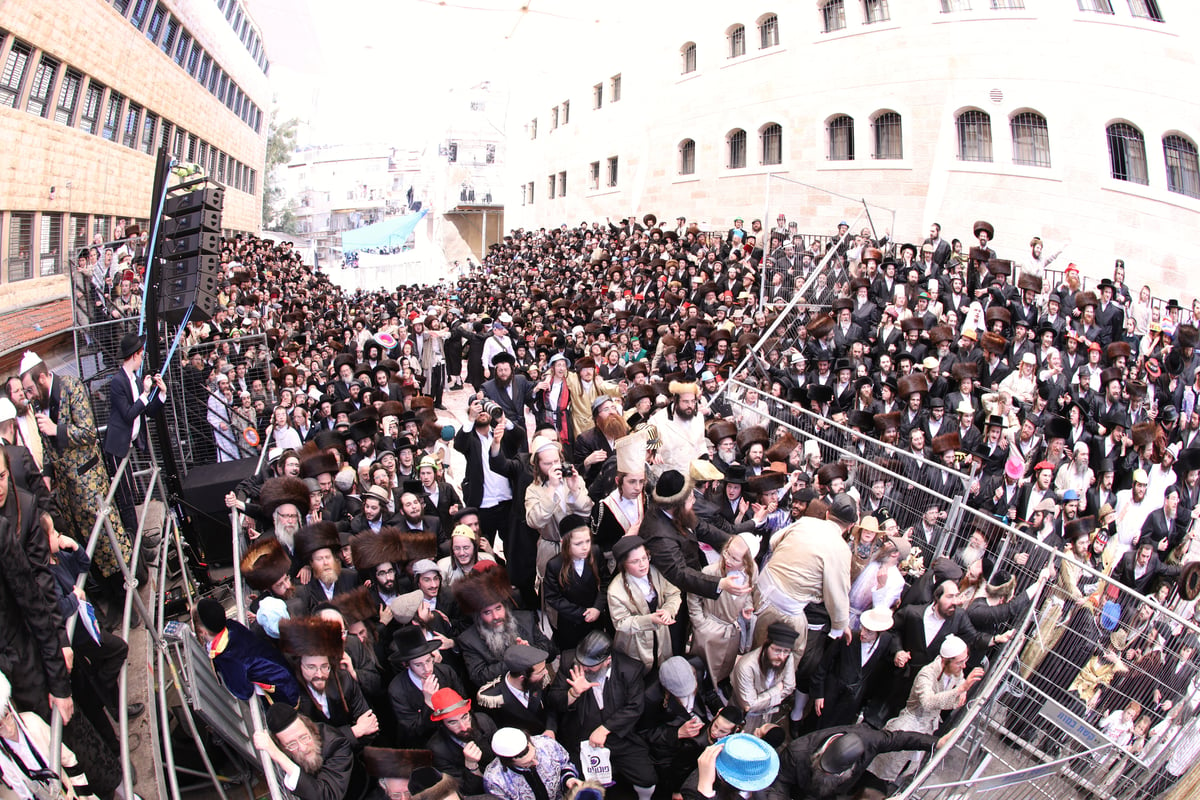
<point>568,470</point>
<point>492,408</point>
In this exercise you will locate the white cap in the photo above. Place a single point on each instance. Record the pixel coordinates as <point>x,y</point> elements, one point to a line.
<point>29,361</point>
<point>509,742</point>
<point>7,410</point>
<point>953,647</point>
<point>424,565</point>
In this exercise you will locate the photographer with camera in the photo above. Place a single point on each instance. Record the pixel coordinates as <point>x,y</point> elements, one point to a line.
<point>557,490</point>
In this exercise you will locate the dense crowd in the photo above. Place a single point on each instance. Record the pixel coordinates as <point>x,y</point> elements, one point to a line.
<point>661,572</point>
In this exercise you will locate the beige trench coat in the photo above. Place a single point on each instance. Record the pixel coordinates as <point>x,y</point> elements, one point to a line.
<point>638,635</point>
<point>716,625</point>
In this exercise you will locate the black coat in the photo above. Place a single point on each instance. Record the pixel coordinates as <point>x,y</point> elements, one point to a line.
<point>679,559</point>
<point>346,705</point>
<point>448,753</point>
<point>125,409</point>
<point>585,444</point>
<point>797,779</point>
<point>341,774</point>
<point>497,700</point>
<point>313,595</point>
<point>482,666</point>
<point>624,701</point>
<point>413,726</point>
<point>844,682</point>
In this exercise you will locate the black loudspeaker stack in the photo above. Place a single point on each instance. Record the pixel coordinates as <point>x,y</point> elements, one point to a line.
<point>190,254</point>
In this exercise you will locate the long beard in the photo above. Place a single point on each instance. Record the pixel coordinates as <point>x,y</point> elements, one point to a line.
<point>686,519</point>
<point>286,534</point>
<point>970,555</point>
<point>499,639</point>
<point>727,457</point>
<point>329,574</point>
<point>311,764</point>
<point>685,415</point>
<point>613,426</point>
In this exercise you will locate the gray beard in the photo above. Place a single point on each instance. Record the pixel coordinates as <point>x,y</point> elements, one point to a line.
<point>286,537</point>
<point>969,555</point>
<point>497,641</point>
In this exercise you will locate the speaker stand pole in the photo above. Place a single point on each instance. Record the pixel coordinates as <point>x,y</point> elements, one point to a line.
<point>154,361</point>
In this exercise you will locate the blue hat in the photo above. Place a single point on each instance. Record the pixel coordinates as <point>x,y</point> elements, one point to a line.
<point>1110,615</point>
<point>1070,494</point>
<point>747,763</point>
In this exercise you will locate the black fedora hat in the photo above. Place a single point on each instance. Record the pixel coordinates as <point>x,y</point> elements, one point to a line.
<point>131,343</point>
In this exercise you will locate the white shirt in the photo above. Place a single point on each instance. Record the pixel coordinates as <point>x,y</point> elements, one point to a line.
<point>321,700</point>
<point>598,689</point>
<point>645,586</point>
<point>496,488</point>
<point>521,695</point>
<point>933,623</point>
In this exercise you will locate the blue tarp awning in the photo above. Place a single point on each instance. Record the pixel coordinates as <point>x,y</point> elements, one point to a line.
<point>392,232</point>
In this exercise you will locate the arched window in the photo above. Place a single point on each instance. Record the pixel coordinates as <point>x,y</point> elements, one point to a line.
<point>974,136</point>
<point>841,138</point>
<point>737,148</point>
<point>889,137</point>
<point>833,15</point>
<point>771,136</point>
<point>687,157</point>
<point>1183,168</point>
<point>688,51</point>
<point>1127,153</point>
<point>768,31</point>
<point>1030,139</point>
<point>737,41</point>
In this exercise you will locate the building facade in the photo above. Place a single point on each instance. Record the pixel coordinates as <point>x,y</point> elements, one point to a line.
<point>1072,120</point>
<point>89,90</point>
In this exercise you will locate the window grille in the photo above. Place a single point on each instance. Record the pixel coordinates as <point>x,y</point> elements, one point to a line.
<point>1183,168</point>
<point>974,136</point>
<point>1127,153</point>
<point>841,139</point>
<point>1031,140</point>
<point>737,149</point>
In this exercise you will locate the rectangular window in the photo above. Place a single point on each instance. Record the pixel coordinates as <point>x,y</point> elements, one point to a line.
<point>179,143</point>
<point>101,225</point>
<point>43,84</point>
<point>166,135</point>
<point>551,187</point>
<point>230,11</point>
<point>529,189</point>
<point>14,74</point>
<point>737,150</point>
<point>768,32</point>
<point>615,88</point>
<point>79,233</point>
<point>554,118</point>
<point>170,34</point>
<point>157,18</point>
<point>598,95</point>
<point>90,117</point>
<point>875,11</point>
<point>202,155</point>
<point>50,250</point>
<point>1146,9</point>
<point>612,170</point>
<point>181,49</point>
<point>562,184</point>
<point>223,87</point>
<point>148,126</point>
<point>595,175</point>
<point>133,121</point>
<point>141,9</point>
<point>833,15</point>
<point>68,97</point>
<point>253,182</point>
<point>737,41</point>
<point>20,243</point>
<point>212,161</point>
<point>566,108</point>
<point>689,59</point>
<point>191,148</point>
<point>533,128</point>
<point>112,116</point>
<point>221,169</point>
<point>950,6</point>
<point>205,69</point>
<point>687,157</point>
<point>1098,6</point>
<point>1008,3</point>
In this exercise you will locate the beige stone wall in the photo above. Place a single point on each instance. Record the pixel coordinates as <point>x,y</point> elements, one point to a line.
<point>108,177</point>
<point>1080,70</point>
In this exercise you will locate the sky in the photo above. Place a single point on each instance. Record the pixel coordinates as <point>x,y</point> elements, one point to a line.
<point>379,71</point>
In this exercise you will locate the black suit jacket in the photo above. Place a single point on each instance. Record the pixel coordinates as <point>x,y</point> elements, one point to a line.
<point>843,681</point>
<point>909,628</point>
<point>497,700</point>
<point>585,444</point>
<point>680,559</point>
<point>346,705</point>
<point>624,701</point>
<point>125,409</point>
<point>514,406</point>
<point>340,775</point>
<point>313,595</point>
<point>27,476</point>
<point>482,666</point>
<point>413,726</point>
<point>448,754</point>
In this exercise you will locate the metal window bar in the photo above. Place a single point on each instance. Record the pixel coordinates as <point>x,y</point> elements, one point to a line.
<point>1031,140</point>
<point>737,149</point>
<point>156,22</point>
<point>768,32</point>
<point>140,11</point>
<point>1097,6</point>
<point>612,170</point>
<point>889,138</point>
<point>68,97</point>
<point>772,145</point>
<point>974,136</point>
<point>112,117</point>
<point>50,250</point>
<point>841,139</point>
<point>1146,9</point>
<point>833,15</point>
<point>14,73</point>
<point>20,243</point>
<point>1127,153</point>
<point>687,157</point>
<point>1015,4</point>
<point>950,6</point>
<point>90,115</point>
<point>133,119</point>
<point>737,41</point>
<point>39,90</point>
<point>689,59</point>
<point>1183,166</point>
<point>875,11</point>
